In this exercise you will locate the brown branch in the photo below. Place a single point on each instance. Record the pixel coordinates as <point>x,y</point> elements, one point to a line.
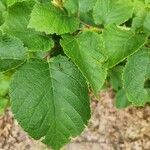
<point>91,27</point>
<point>85,24</point>
<point>47,56</point>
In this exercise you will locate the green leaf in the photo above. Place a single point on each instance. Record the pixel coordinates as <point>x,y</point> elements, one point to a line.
<point>121,99</point>
<point>147,22</point>
<point>120,43</point>
<point>85,50</point>
<point>16,24</point>
<point>12,52</point>
<point>75,6</point>
<point>3,104</point>
<point>2,6</point>
<point>50,19</point>
<point>50,100</point>
<point>115,77</point>
<point>141,16</point>
<point>12,2</point>
<point>139,7</point>
<point>1,18</point>
<point>147,1</point>
<point>135,75</point>
<point>45,1</point>
<point>112,11</point>
<point>2,9</point>
<point>4,84</point>
<point>87,18</point>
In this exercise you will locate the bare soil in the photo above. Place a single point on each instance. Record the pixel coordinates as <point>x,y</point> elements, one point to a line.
<point>108,129</point>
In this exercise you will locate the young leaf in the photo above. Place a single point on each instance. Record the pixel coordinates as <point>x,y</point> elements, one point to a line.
<point>16,24</point>
<point>50,19</point>
<point>112,11</point>
<point>135,75</point>
<point>121,43</point>
<point>12,52</point>
<point>50,100</point>
<point>85,50</point>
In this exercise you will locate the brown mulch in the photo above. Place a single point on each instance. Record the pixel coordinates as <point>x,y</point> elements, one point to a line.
<point>109,129</point>
<point>12,137</point>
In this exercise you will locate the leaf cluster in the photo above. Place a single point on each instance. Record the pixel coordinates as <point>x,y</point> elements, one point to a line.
<point>59,49</point>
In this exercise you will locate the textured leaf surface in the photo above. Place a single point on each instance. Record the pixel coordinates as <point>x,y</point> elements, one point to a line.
<point>112,11</point>
<point>120,43</point>
<point>50,100</point>
<point>16,25</point>
<point>135,75</point>
<point>12,52</point>
<point>75,6</point>
<point>85,50</point>
<point>50,19</point>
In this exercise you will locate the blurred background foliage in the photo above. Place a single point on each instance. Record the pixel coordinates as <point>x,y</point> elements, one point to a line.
<point>4,88</point>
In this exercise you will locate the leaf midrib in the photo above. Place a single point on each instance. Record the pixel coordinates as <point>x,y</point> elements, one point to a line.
<point>53,101</point>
